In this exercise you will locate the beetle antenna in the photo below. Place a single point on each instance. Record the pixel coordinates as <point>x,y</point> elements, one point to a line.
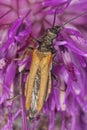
<point>54,18</point>
<point>74,18</point>
<point>26,14</point>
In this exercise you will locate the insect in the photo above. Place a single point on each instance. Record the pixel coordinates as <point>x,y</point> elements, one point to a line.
<point>38,83</point>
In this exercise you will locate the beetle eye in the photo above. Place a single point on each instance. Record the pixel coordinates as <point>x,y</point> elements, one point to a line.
<point>54,30</point>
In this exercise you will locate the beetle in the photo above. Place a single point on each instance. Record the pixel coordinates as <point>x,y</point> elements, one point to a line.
<point>38,82</point>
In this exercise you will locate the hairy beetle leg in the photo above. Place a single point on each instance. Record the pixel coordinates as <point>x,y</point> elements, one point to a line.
<point>25,54</point>
<point>13,98</point>
<point>54,76</point>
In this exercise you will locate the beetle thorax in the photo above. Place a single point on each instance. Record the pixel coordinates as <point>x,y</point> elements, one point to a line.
<point>48,38</point>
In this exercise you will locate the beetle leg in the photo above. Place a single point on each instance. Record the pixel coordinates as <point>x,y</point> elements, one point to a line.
<point>37,41</point>
<point>54,51</point>
<point>26,71</point>
<point>31,48</point>
<point>13,98</point>
<point>53,76</point>
<point>25,54</point>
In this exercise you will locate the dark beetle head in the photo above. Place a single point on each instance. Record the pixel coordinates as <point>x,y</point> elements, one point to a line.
<point>49,36</point>
<point>55,29</point>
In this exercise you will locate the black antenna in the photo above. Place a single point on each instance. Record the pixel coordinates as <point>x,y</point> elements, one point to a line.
<point>54,17</point>
<point>26,15</point>
<point>69,21</point>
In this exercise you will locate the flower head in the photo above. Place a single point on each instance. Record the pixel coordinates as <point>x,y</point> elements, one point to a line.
<point>24,23</point>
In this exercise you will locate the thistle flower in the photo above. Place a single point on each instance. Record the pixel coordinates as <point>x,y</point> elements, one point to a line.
<point>20,23</point>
